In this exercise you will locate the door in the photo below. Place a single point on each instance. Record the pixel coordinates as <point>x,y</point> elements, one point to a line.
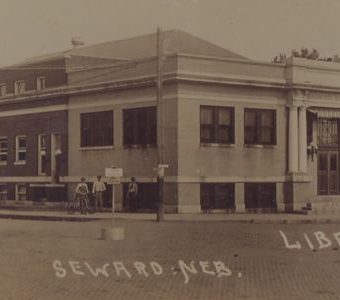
<point>328,178</point>
<point>328,156</point>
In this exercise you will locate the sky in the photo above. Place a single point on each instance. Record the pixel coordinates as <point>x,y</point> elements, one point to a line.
<point>257,29</point>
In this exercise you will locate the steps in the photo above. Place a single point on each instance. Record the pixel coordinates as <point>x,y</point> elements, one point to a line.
<point>326,205</point>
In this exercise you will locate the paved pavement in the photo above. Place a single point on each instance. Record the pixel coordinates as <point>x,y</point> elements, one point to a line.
<point>169,260</point>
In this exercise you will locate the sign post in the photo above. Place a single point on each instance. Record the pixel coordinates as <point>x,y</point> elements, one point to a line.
<point>114,176</point>
<point>160,183</point>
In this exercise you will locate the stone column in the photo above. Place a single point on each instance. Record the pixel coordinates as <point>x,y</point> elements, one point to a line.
<point>302,139</point>
<point>293,147</point>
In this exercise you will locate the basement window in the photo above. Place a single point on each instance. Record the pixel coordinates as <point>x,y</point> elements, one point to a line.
<point>20,192</point>
<point>3,191</point>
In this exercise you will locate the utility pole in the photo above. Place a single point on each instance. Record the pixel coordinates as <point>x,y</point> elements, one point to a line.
<point>160,169</point>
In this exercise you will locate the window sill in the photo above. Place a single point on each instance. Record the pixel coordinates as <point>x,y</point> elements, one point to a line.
<point>260,146</point>
<point>18,163</point>
<point>3,163</point>
<point>217,145</point>
<point>139,146</point>
<point>96,148</point>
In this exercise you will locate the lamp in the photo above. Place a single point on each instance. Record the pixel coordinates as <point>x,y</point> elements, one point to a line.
<point>312,149</point>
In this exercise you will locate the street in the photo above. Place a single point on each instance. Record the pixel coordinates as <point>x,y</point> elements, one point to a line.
<point>169,260</point>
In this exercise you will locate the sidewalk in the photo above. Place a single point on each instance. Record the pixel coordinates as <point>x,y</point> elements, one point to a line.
<point>278,218</point>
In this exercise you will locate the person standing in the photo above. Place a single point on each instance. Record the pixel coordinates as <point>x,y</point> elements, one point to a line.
<point>132,194</point>
<point>82,192</point>
<point>98,190</point>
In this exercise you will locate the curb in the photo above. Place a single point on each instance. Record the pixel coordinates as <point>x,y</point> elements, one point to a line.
<point>49,218</point>
<point>252,221</point>
<point>79,218</point>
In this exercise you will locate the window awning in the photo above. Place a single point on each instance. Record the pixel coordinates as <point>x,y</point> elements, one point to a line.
<point>327,113</point>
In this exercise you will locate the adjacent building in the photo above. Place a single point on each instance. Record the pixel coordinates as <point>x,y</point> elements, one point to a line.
<point>238,135</point>
<point>33,126</point>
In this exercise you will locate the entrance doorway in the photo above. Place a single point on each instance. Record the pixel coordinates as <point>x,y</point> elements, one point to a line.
<point>328,156</point>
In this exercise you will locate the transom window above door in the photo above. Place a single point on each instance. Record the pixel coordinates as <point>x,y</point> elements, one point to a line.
<point>328,132</point>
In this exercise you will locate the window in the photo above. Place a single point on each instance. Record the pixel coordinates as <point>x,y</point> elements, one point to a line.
<point>20,192</point>
<point>40,83</point>
<point>260,126</point>
<point>3,191</point>
<point>328,132</point>
<point>19,87</point>
<point>260,196</point>
<point>217,125</point>
<point>218,196</point>
<point>3,90</point>
<point>42,152</point>
<point>140,126</point>
<point>20,148</point>
<point>97,129</point>
<point>3,149</point>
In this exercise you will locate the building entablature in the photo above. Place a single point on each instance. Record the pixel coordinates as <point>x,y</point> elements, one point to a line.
<point>189,68</point>
<point>312,74</point>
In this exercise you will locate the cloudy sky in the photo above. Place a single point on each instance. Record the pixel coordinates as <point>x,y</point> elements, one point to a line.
<point>258,29</point>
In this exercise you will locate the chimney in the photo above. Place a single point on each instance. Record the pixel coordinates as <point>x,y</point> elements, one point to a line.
<point>77,41</point>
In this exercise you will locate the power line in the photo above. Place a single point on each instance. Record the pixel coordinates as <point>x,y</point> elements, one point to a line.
<point>105,74</point>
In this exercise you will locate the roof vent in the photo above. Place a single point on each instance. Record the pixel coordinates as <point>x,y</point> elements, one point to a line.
<point>77,41</point>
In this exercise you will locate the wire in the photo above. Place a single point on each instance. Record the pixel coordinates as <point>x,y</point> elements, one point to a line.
<point>105,74</point>
<point>118,66</point>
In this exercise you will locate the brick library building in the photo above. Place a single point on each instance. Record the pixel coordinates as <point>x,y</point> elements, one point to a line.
<point>239,135</point>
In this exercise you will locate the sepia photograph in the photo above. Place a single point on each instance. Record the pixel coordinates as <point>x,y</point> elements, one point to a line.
<point>169,149</point>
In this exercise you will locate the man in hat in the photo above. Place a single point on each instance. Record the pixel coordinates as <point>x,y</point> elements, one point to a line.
<point>98,190</point>
<point>132,194</point>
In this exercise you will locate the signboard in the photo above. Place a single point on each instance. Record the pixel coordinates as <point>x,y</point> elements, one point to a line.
<point>112,180</point>
<point>114,172</point>
<point>163,166</point>
<point>160,170</point>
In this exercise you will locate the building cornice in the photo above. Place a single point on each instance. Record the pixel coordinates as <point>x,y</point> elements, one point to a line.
<point>170,77</point>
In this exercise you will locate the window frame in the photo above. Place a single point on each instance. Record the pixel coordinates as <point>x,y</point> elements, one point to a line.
<point>2,151</point>
<point>41,83</point>
<point>3,90</point>
<point>3,192</point>
<point>89,121</point>
<point>17,90</point>
<point>258,139</point>
<point>132,117</point>
<point>210,196</point>
<point>42,154</point>
<point>18,193</point>
<point>216,126</point>
<point>257,191</point>
<point>18,150</point>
